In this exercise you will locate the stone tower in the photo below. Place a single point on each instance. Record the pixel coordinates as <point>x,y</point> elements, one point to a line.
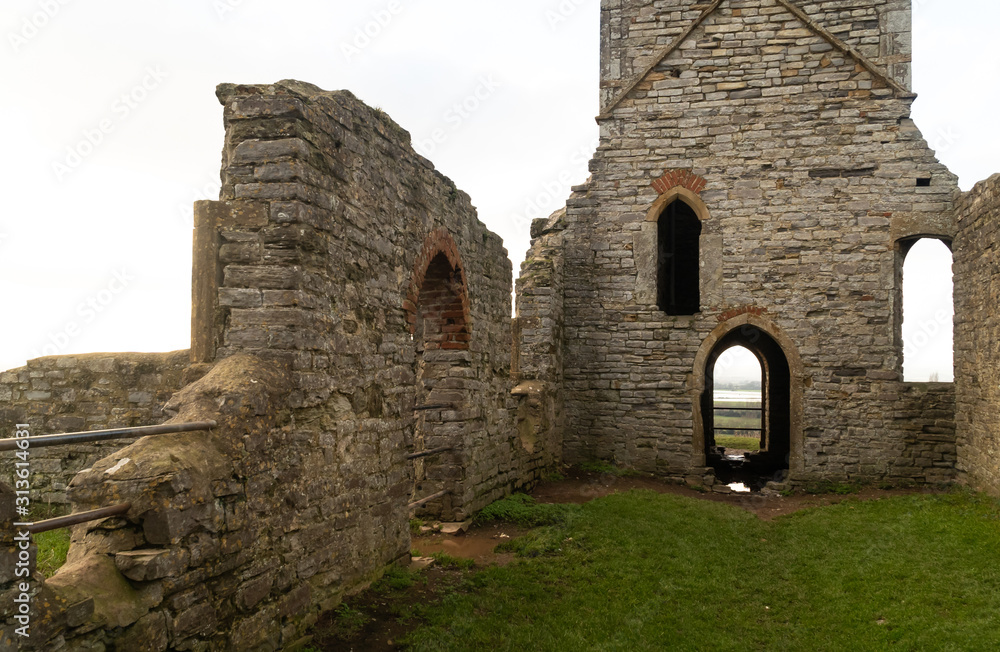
<point>758,183</point>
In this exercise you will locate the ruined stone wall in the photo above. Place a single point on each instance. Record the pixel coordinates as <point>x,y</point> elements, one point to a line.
<point>977,331</point>
<point>195,563</point>
<point>348,309</point>
<point>73,393</point>
<point>333,254</point>
<point>331,221</point>
<point>805,171</point>
<point>538,341</point>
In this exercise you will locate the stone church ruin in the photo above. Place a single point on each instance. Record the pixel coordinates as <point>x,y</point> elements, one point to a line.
<point>758,183</point>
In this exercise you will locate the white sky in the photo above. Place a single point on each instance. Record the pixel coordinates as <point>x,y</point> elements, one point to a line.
<point>96,256</point>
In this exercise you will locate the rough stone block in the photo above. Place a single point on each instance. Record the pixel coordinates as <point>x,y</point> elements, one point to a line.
<point>147,565</point>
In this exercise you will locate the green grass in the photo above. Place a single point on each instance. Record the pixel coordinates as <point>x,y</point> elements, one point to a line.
<point>52,545</point>
<point>350,621</point>
<point>52,549</point>
<point>444,560</point>
<point>523,510</point>
<point>742,443</point>
<point>645,571</point>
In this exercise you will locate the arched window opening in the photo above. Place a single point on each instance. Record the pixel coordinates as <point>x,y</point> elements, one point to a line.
<point>738,402</point>
<point>678,232</point>
<point>928,311</point>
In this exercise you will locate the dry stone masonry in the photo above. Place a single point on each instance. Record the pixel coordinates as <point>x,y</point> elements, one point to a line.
<point>758,183</point>
<point>350,310</point>
<point>85,392</point>
<point>977,333</point>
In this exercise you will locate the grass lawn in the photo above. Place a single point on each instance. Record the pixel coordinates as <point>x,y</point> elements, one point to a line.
<point>647,571</point>
<point>751,443</point>
<point>52,545</point>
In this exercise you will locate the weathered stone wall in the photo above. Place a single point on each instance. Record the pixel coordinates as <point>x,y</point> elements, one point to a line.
<point>538,340</point>
<point>328,224</point>
<point>197,561</point>
<point>805,171</point>
<point>73,393</point>
<point>375,309</point>
<point>977,331</point>
<point>633,32</point>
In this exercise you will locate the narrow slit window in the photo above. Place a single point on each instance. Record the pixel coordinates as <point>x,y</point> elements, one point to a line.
<point>678,233</point>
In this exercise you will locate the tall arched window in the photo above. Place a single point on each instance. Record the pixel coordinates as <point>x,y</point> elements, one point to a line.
<point>928,311</point>
<point>677,281</point>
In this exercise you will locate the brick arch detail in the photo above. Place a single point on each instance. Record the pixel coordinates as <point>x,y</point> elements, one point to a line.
<point>684,178</point>
<point>437,242</point>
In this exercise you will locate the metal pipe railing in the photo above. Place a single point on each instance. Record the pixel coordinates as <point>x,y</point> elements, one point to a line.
<point>428,453</point>
<point>81,517</point>
<point>434,406</point>
<point>102,435</point>
<point>428,499</point>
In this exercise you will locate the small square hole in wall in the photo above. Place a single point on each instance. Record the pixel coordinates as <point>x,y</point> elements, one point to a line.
<point>923,182</point>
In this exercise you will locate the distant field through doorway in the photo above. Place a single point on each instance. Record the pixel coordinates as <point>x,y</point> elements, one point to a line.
<point>737,403</point>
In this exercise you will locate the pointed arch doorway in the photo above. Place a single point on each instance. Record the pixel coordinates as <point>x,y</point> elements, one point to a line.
<point>779,444</point>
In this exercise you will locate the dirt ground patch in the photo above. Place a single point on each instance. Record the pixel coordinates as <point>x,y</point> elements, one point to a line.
<point>583,486</point>
<point>477,544</point>
<point>375,619</point>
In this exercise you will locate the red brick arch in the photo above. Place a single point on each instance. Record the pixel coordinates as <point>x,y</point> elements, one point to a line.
<point>684,178</point>
<point>437,265</point>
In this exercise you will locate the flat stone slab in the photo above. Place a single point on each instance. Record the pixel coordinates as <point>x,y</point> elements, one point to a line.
<point>420,563</point>
<point>455,529</point>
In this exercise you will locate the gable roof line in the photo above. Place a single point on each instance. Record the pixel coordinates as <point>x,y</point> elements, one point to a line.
<point>660,56</point>
<point>865,62</point>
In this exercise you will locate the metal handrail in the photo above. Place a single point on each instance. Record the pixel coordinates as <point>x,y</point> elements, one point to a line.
<point>746,429</point>
<point>428,453</point>
<point>81,517</point>
<point>102,435</point>
<point>428,499</point>
<point>755,409</point>
<point>433,406</point>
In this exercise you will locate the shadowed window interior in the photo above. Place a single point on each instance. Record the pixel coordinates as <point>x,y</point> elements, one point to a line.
<point>678,231</point>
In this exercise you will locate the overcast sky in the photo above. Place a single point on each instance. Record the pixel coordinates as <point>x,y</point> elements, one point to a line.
<point>113,129</point>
